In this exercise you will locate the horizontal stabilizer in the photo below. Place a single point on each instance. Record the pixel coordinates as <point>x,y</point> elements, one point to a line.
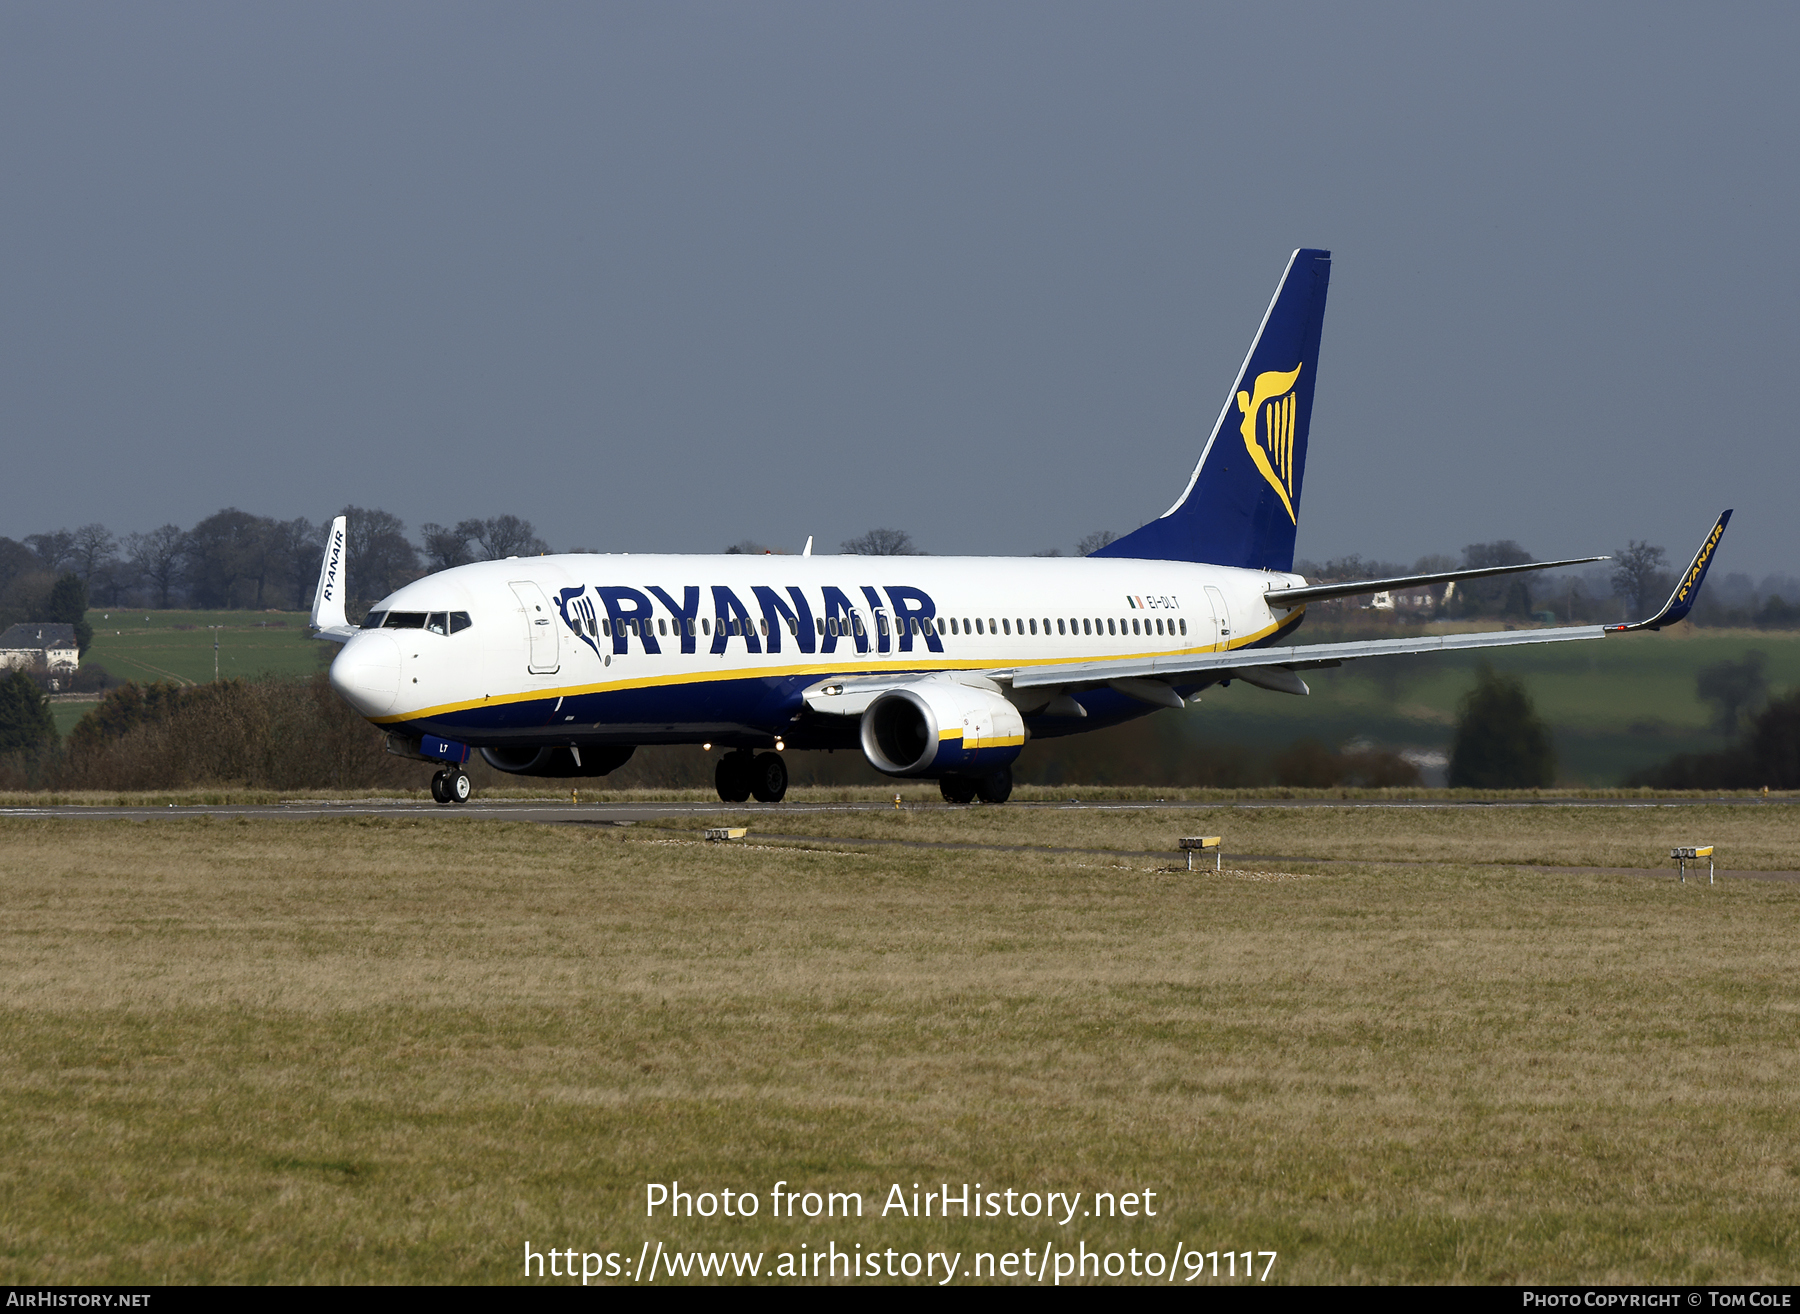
<point>1357,587</point>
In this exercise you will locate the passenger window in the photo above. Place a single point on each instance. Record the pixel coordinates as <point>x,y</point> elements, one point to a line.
<point>1134,627</point>
<point>1184,627</point>
<point>831,627</point>
<point>1159,627</point>
<point>1109,625</point>
<point>1006,625</point>
<point>820,622</point>
<point>459,621</point>
<point>706,625</point>
<point>690,627</point>
<point>978,627</point>
<point>606,626</point>
<point>881,621</point>
<point>1034,624</point>
<point>1059,625</point>
<point>793,627</point>
<point>1046,626</point>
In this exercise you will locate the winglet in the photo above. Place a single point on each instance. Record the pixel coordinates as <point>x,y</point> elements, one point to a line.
<point>328,599</point>
<point>1687,588</point>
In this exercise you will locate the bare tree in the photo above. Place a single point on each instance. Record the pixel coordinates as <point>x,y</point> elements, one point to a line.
<point>295,547</point>
<point>15,560</point>
<point>1092,543</point>
<point>881,543</point>
<point>445,547</point>
<point>54,550</point>
<point>378,557</point>
<point>92,548</point>
<point>157,557</point>
<point>504,536</point>
<point>1638,577</point>
<point>223,551</point>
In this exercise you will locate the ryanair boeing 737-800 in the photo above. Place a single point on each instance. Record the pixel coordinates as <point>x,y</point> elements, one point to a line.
<point>934,667</point>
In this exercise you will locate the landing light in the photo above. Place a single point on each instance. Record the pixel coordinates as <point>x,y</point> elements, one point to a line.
<point>780,747</point>
<point>706,748</point>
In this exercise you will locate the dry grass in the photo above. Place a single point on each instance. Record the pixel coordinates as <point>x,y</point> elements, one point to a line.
<point>1749,836</point>
<point>398,1050</point>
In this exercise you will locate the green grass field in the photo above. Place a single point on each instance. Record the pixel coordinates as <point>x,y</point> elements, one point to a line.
<point>178,645</point>
<point>402,1050</point>
<point>1616,705</point>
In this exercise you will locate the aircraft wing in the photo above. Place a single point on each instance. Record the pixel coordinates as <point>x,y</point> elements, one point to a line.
<point>1249,662</point>
<point>1149,678</point>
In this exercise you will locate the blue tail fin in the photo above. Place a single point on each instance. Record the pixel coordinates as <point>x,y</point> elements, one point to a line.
<point>1242,505</point>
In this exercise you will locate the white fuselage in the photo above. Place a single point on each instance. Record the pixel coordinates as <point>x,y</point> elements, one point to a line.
<point>675,648</point>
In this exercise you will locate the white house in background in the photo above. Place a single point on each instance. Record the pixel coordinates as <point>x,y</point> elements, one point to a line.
<point>40,646</point>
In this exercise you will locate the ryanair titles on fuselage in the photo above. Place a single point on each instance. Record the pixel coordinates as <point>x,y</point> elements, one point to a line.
<point>546,625</point>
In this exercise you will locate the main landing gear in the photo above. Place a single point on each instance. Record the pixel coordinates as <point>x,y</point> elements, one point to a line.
<point>995,787</point>
<point>742,774</point>
<point>452,786</point>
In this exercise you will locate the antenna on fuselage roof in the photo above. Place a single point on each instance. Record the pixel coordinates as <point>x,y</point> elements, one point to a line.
<point>807,550</point>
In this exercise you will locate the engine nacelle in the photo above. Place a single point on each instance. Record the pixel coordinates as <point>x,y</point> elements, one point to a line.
<point>937,728</point>
<point>558,760</point>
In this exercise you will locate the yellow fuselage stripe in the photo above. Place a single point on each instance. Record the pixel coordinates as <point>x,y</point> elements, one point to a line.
<point>909,665</point>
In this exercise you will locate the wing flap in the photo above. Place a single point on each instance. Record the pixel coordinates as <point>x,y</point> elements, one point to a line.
<point>1219,664</point>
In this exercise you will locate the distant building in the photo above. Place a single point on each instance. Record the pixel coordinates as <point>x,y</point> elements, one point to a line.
<point>40,646</point>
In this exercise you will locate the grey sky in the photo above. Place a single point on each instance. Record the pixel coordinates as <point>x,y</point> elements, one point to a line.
<point>664,277</point>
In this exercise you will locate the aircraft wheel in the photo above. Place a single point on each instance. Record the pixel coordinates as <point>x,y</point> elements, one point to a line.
<point>732,778</point>
<point>957,789</point>
<point>768,778</point>
<point>457,786</point>
<point>438,792</point>
<point>996,787</point>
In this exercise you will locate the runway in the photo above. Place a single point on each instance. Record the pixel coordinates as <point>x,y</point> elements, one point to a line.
<point>545,810</point>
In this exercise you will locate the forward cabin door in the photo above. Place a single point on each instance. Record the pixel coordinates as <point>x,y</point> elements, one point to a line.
<point>1221,618</point>
<point>538,617</point>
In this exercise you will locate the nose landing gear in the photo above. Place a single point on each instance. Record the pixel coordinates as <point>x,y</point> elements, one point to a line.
<point>452,786</point>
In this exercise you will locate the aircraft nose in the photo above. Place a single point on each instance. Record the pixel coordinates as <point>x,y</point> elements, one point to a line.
<point>366,674</point>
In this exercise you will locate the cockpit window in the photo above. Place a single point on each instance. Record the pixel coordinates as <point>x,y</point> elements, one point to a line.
<point>438,622</point>
<point>404,620</point>
<point>373,620</point>
<point>459,621</point>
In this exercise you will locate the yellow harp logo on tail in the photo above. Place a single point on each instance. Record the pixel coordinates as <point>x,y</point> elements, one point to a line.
<point>1272,398</point>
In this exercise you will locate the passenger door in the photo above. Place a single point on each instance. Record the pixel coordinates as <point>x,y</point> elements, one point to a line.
<point>539,626</point>
<point>1221,618</point>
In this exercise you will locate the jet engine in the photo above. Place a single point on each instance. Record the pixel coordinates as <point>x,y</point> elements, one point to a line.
<point>559,760</point>
<point>938,727</point>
